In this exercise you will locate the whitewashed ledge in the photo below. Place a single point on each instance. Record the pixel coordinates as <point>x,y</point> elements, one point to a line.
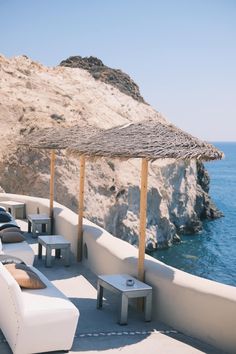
<point>200,308</point>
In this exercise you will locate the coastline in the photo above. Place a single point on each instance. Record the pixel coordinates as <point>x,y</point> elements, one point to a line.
<point>211,254</point>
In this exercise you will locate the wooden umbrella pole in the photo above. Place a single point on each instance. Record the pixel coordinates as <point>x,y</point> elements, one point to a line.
<point>143,214</point>
<point>52,174</point>
<point>81,208</point>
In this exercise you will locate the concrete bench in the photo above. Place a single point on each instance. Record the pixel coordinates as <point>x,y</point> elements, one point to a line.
<point>35,321</point>
<point>20,250</point>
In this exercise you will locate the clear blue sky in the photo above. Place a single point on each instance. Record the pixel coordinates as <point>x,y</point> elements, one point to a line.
<point>182,53</point>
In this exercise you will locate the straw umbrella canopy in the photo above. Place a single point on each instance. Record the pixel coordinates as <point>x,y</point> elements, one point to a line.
<point>58,138</point>
<point>149,140</point>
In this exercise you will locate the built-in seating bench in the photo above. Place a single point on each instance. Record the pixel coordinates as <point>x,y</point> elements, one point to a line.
<point>38,320</point>
<point>20,250</point>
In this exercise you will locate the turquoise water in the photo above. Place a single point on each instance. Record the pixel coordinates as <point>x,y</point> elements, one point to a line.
<point>212,254</point>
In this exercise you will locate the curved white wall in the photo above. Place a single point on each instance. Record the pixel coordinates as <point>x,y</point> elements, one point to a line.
<point>66,221</point>
<point>195,306</point>
<point>198,307</point>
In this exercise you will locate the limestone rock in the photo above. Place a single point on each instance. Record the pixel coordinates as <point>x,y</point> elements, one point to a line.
<point>34,96</point>
<point>1,190</point>
<point>99,71</point>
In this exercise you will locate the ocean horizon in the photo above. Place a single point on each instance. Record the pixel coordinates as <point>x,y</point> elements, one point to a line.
<point>211,254</point>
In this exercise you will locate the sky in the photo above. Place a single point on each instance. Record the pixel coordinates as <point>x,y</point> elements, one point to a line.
<point>181,53</point>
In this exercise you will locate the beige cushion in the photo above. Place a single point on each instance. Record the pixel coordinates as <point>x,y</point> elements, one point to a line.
<point>25,277</point>
<point>12,237</point>
<point>10,229</point>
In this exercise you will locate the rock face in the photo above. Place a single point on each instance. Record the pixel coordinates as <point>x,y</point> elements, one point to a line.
<point>34,96</point>
<point>99,71</point>
<point>205,208</point>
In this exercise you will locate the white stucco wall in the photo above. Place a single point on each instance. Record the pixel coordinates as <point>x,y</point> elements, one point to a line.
<point>198,307</point>
<point>66,220</point>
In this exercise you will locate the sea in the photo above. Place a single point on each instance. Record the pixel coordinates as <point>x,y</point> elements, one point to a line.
<point>211,254</point>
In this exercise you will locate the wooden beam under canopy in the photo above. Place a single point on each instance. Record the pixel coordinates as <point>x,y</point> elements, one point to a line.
<point>143,214</point>
<point>81,208</point>
<point>52,175</point>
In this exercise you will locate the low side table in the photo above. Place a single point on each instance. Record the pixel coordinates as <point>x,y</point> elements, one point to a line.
<point>42,220</point>
<point>117,284</point>
<point>56,242</point>
<point>17,209</point>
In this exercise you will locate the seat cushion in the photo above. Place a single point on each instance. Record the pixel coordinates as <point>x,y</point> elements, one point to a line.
<point>7,259</point>
<point>5,217</point>
<point>21,250</point>
<point>47,300</point>
<point>25,276</point>
<point>11,229</point>
<point>12,223</point>
<point>12,237</point>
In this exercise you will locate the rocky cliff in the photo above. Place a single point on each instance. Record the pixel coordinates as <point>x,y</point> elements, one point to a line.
<point>34,96</point>
<point>99,71</point>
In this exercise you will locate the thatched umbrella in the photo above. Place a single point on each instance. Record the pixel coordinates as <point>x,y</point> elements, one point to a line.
<point>58,138</point>
<point>148,140</point>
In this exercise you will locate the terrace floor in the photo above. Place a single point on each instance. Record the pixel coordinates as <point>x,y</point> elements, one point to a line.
<point>98,330</point>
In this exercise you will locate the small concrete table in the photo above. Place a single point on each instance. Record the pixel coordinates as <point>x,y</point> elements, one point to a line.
<point>17,209</point>
<point>42,220</point>
<point>56,242</point>
<point>117,283</point>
